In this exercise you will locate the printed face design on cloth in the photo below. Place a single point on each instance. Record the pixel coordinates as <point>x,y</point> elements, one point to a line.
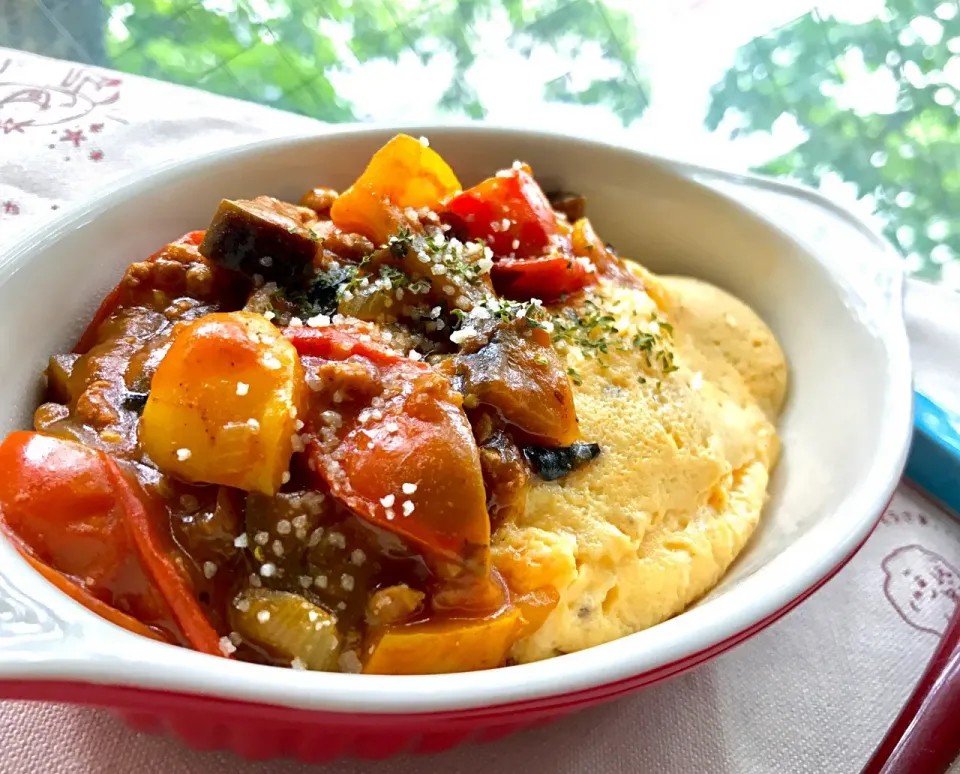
<point>922,586</point>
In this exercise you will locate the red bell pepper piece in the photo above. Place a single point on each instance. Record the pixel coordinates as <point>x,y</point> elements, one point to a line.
<point>339,343</point>
<point>509,212</point>
<point>79,594</point>
<point>418,435</point>
<point>69,507</point>
<point>160,567</point>
<point>546,278</point>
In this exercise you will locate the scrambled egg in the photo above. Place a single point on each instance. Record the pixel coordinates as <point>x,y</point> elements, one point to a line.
<point>634,537</point>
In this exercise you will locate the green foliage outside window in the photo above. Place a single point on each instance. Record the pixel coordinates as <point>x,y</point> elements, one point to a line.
<point>283,52</point>
<point>903,152</point>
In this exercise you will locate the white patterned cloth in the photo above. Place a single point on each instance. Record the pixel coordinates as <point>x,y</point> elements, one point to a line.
<point>813,693</point>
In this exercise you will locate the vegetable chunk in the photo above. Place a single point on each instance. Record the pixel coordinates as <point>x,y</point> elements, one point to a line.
<point>408,464</point>
<point>224,403</point>
<point>552,464</point>
<point>262,236</point>
<point>443,647</point>
<point>547,278</point>
<point>523,379</point>
<point>288,627</point>
<point>403,173</point>
<point>509,212</point>
<point>70,507</point>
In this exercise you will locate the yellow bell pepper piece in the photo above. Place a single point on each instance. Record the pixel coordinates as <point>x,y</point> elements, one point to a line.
<point>445,646</point>
<point>223,403</point>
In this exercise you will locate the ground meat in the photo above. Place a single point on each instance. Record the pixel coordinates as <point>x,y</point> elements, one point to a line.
<point>320,200</point>
<point>351,378</point>
<point>94,406</point>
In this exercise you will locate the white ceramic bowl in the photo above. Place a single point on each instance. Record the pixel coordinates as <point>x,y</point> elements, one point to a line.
<point>828,287</point>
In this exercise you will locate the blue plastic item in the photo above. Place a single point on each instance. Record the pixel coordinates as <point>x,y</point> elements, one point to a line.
<point>934,461</point>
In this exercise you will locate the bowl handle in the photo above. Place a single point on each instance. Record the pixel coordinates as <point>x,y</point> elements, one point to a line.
<point>29,626</point>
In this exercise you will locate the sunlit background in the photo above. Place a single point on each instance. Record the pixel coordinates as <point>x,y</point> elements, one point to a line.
<point>856,97</point>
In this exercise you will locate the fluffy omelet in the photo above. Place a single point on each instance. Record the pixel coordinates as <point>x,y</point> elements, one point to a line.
<point>652,524</point>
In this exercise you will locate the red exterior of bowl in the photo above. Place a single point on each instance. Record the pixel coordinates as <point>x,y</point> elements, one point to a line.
<point>262,731</point>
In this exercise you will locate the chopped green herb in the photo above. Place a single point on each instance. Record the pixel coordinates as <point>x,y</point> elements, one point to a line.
<point>397,278</point>
<point>400,242</point>
<point>321,295</point>
<point>595,333</point>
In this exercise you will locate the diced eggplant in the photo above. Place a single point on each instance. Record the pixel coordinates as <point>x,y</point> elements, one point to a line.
<point>135,401</point>
<point>264,237</point>
<point>505,477</point>
<point>278,528</point>
<point>205,520</point>
<point>551,464</point>
<point>523,379</point>
<point>572,205</point>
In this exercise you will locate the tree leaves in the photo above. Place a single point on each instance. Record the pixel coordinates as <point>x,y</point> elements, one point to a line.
<point>903,157</point>
<point>285,52</point>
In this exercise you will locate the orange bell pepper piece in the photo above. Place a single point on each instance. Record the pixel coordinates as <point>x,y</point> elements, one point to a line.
<point>403,173</point>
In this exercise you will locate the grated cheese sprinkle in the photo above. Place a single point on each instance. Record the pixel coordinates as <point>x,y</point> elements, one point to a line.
<point>460,336</point>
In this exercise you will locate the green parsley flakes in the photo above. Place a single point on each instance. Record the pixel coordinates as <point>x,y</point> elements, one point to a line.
<point>595,332</point>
